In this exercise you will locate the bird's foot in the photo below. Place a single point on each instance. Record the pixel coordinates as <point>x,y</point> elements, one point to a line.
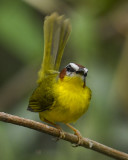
<point>77,133</point>
<point>61,132</point>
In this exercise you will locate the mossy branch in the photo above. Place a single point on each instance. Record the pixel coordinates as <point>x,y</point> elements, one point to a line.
<point>87,143</point>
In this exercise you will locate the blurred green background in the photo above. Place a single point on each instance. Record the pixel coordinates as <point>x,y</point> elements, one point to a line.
<point>99,41</point>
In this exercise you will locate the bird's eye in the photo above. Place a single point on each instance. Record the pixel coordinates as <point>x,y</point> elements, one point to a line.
<point>70,69</point>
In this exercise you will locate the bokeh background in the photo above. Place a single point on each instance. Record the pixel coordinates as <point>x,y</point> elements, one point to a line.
<point>99,41</point>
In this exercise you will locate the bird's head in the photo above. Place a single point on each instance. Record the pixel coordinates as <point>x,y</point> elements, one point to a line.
<point>74,71</point>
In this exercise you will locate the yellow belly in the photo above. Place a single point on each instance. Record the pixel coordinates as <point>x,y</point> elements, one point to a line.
<point>71,101</point>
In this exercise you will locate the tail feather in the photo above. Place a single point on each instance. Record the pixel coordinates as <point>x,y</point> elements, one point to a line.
<point>56,32</point>
<point>64,35</point>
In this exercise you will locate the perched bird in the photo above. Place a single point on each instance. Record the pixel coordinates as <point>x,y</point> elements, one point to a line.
<point>59,97</point>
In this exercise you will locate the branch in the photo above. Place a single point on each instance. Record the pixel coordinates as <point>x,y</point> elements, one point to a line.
<point>87,143</point>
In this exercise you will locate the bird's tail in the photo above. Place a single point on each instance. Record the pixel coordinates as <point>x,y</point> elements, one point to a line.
<point>56,32</point>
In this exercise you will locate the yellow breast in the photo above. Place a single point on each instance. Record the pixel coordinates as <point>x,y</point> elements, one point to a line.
<point>71,100</point>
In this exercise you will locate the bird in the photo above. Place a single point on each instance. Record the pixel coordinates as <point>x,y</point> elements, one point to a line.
<point>60,97</point>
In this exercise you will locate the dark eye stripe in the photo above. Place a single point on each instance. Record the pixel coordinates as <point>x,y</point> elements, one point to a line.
<point>70,69</point>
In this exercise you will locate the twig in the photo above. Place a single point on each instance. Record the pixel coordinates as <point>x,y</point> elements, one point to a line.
<point>87,143</point>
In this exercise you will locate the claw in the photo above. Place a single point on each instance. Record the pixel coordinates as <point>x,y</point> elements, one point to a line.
<point>62,134</point>
<point>77,133</point>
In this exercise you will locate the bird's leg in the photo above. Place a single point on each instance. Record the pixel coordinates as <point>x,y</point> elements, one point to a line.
<point>62,135</point>
<point>77,133</point>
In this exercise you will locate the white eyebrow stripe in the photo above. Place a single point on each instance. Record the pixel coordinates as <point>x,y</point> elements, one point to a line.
<point>74,66</point>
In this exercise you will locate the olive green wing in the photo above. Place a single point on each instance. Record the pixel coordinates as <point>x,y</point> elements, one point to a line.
<point>42,98</point>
